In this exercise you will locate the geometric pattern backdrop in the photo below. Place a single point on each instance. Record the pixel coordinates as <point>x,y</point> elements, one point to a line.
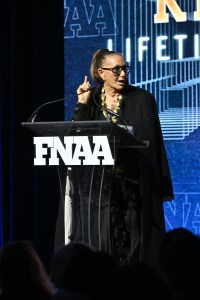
<point>160,40</point>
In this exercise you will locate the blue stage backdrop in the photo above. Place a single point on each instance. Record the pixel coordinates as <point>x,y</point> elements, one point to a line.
<point>160,40</point>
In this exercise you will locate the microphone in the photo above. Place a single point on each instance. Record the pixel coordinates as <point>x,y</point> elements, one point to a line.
<point>36,111</point>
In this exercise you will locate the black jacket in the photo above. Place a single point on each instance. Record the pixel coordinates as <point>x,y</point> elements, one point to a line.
<point>139,110</point>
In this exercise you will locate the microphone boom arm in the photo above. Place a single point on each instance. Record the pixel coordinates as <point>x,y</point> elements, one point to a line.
<point>35,113</point>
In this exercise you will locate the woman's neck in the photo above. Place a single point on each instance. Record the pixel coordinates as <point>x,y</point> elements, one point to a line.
<point>111,92</point>
<point>111,100</point>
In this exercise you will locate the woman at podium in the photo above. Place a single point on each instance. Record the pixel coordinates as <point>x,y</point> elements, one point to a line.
<point>124,215</point>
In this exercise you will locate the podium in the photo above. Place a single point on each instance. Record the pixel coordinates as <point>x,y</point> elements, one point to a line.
<point>91,183</point>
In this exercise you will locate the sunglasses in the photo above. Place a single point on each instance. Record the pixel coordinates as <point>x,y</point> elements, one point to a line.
<point>117,70</point>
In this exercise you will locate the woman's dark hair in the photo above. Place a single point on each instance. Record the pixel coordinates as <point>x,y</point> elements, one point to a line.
<point>97,61</point>
<point>22,274</point>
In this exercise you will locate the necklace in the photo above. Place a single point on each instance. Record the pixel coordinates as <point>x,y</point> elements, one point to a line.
<point>115,109</point>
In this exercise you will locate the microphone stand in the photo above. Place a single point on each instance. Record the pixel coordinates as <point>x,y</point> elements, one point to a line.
<point>36,111</point>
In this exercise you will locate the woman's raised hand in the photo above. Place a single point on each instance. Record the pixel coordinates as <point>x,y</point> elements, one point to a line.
<point>84,91</point>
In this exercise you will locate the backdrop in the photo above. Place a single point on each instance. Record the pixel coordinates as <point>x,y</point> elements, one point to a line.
<point>161,42</point>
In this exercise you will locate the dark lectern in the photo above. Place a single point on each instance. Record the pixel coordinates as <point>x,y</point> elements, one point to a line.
<point>91,184</point>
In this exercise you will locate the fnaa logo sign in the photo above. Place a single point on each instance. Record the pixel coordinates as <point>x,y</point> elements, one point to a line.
<point>74,150</point>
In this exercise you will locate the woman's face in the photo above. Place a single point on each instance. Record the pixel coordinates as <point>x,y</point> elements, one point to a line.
<point>116,78</point>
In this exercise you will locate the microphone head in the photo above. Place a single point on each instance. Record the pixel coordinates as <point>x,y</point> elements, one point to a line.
<point>111,112</point>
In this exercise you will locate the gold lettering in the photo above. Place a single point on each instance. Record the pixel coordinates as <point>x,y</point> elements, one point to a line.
<point>197,12</point>
<point>163,17</point>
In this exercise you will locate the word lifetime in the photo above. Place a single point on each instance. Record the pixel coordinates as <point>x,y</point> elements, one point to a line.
<point>75,150</point>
